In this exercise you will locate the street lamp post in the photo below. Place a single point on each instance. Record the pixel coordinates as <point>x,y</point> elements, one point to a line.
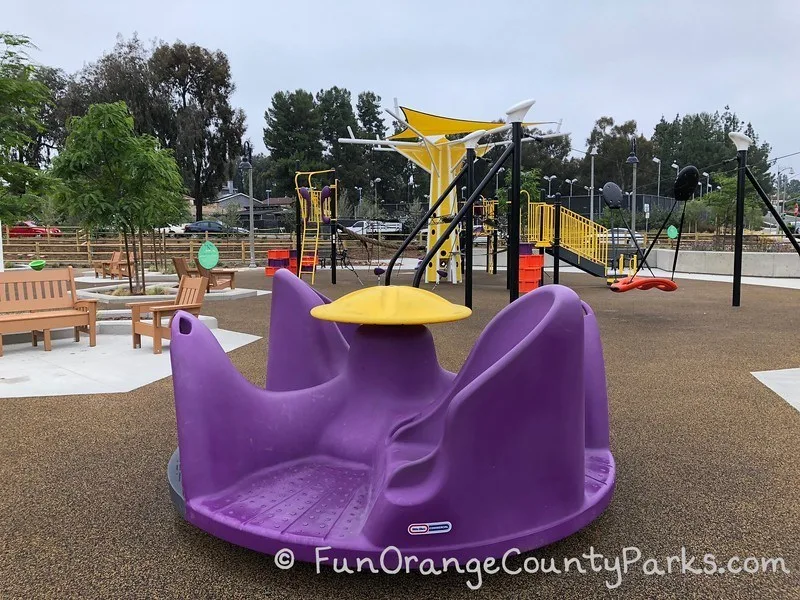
<point>676,167</point>
<point>268,193</point>
<point>375,183</point>
<point>358,208</point>
<point>708,183</point>
<point>634,162</point>
<point>247,165</point>
<point>497,179</point>
<point>571,182</point>
<point>549,180</point>
<point>658,181</point>
<point>791,171</point>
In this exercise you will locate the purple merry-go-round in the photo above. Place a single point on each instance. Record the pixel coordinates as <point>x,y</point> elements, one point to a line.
<point>361,440</point>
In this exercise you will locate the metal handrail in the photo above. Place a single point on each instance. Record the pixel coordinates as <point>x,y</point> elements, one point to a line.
<point>464,209</point>
<point>423,221</point>
<point>578,234</point>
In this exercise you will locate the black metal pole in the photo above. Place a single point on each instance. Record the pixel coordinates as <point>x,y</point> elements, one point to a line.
<point>450,228</point>
<point>513,221</point>
<point>739,236</point>
<point>494,248</point>
<point>334,232</point>
<point>508,237</point>
<point>772,210</point>
<point>541,272</point>
<point>422,223</point>
<point>556,235</point>
<point>469,221</point>
<point>298,226</point>
<point>677,244</point>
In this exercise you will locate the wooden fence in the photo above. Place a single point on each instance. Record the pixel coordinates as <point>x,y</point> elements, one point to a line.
<point>75,247</point>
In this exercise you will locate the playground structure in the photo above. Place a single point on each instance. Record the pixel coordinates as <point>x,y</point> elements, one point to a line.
<point>350,452</point>
<point>441,158</point>
<point>315,207</point>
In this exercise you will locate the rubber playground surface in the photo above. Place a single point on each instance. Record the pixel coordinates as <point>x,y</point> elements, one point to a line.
<point>707,461</point>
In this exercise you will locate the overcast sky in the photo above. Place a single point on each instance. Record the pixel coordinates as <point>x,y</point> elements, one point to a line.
<point>579,59</point>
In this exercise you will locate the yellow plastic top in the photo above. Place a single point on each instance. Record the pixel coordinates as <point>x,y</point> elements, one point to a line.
<point>391,305</point>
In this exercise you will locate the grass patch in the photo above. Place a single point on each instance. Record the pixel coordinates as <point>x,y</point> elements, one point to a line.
<point>156,290</point>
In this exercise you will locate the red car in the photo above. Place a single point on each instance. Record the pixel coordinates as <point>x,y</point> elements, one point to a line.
<point>31,229</point>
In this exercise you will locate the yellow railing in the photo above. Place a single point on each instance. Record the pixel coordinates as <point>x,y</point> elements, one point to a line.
<point>585,238</point>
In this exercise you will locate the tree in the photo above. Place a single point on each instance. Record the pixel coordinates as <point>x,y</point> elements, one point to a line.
<point>292,133</point>
<point>701,139</point>
<point>230,215</point>
<point>613,143</point>
<point>124,74</point>
<point>550,156</point>
<point>180,94</point>
<point>113,177</point>
<point>208,130</point>
<point>22,99</point>
<point>48,134</point>
<point>336,115</point>
<point>723,203</point>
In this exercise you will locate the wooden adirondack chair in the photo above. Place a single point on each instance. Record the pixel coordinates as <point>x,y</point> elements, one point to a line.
<point>218,279</point>
<point>183,269</point>
<point>191,291</point>
<point>121,270</point>
<point>103,267</point>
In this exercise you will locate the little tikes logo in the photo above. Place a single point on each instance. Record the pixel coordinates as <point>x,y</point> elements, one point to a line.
<point>430,528</point>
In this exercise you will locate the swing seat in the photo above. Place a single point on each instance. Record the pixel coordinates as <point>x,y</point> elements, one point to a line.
<point>644,283</point>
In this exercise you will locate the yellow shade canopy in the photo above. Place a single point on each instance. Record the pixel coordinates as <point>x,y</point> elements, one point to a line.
<point>429,125</point>
<point>391,305</point>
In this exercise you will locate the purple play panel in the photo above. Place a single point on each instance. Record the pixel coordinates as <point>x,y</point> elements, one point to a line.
<point>362,441</point>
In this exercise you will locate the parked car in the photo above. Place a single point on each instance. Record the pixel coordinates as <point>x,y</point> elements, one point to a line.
<point>32,229</point>
<point>172,230</point>
<point>375,227</point>
<point>478,236</point>
<point>620,236</point>
<point>213,227</point>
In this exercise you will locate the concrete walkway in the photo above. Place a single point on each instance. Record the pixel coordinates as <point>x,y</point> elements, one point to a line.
<point>73,368</point>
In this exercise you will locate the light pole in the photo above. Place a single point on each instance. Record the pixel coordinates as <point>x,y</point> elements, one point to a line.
<point>571,182</point>
<point>549,180</point>
<point>592,154</point>
<point>700,185</point>
<point>247,165</point>
<point>268,193</point>
<point>497,179</point>
<point>634,162</point>
<point>658,182</point>
<point>791,170</point>
<point>677,168</point>
<point>375,183</point>
<point>742,143</point>
<point>358,208</point>
<point>708,183</point>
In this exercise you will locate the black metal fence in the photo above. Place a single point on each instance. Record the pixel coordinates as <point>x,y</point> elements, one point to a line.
<point>581,204</point>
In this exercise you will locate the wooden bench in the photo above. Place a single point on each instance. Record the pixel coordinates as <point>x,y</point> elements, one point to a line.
<point>191,291</point>
<point>38,301</point>
<point>218,279</point>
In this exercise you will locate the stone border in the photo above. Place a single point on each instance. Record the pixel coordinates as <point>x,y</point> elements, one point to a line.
<point>754,264</point>
<point>88,278</point>
<point>121,301</point>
